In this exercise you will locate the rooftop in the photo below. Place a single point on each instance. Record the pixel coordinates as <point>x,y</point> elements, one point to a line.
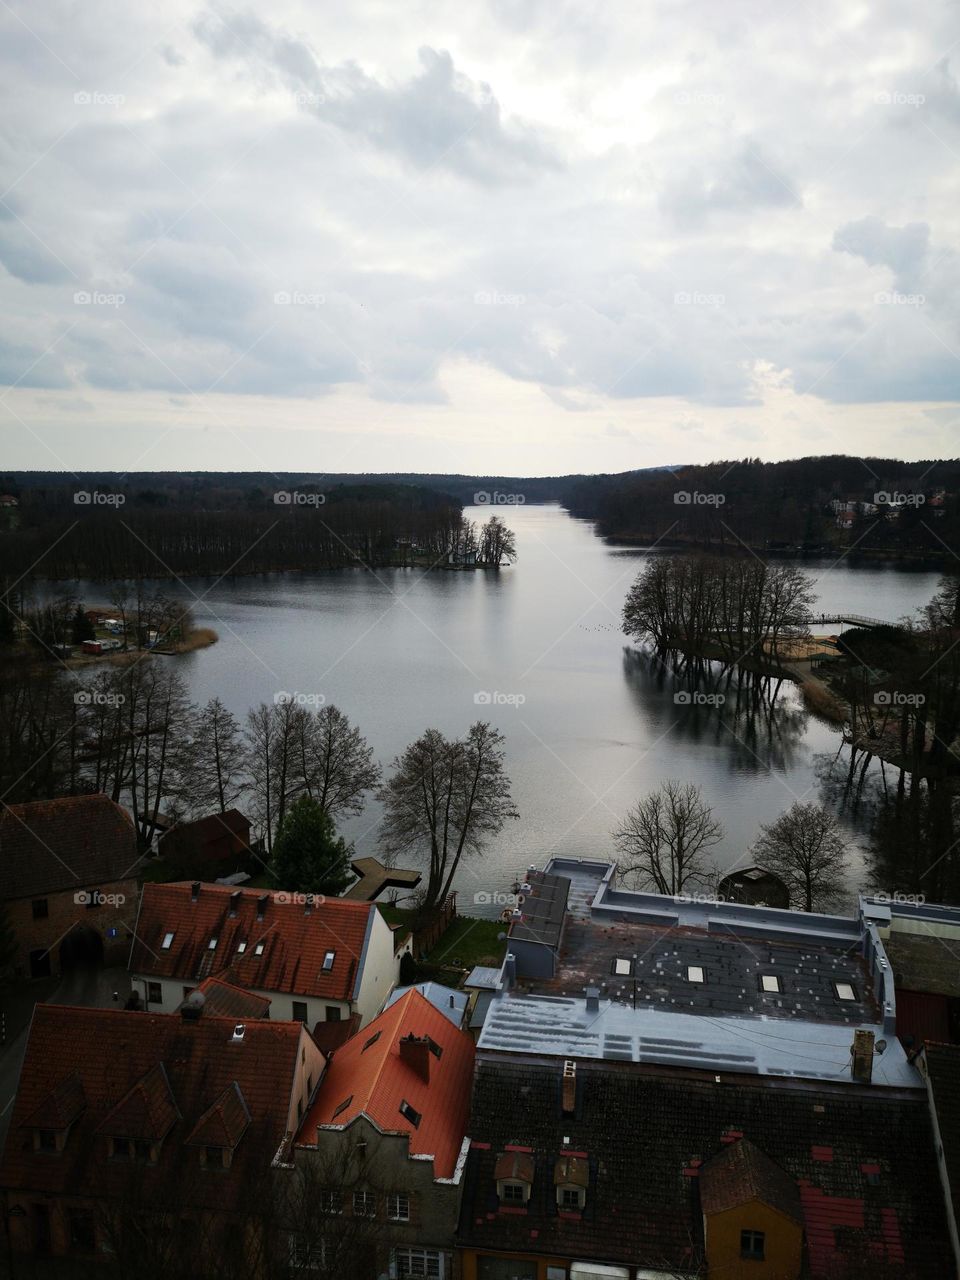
<point>861,1164</point>
<point>225,1000</point>
<point>52,846</point>
<point>452,1004</point>
<point>109,1072</point>
<point>419,1092</point>
<point>258,940</point>
<point>542,904</point>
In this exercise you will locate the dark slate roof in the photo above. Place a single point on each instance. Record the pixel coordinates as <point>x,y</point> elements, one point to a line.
<point>50,846</point>
<point>741,1173</point>
<point>943,1067</point>
<point>542,910</point>
<point>862,1162</point>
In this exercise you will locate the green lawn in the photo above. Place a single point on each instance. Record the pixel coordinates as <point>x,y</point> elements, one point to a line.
<point>469,942</point>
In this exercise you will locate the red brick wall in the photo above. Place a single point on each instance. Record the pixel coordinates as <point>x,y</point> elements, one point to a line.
<point>64,914</point>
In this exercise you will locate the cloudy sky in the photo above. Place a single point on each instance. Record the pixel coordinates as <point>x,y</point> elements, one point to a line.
<point>512,236</point>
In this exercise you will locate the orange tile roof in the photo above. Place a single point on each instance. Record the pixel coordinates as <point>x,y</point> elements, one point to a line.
<point>377,1080</point>
<point>294,941</point>
<point>223,1124</point>
<point>114,1051</point>
<point>226,1000</point>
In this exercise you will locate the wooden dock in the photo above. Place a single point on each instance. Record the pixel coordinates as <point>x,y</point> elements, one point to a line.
<point>375,877</point>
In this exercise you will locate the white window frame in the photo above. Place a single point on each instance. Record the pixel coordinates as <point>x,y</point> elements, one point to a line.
<point>398,1206</point>
<point>845,992</point>
<point>368,1204</point>
<point>307,1255</point>
<point>430,1264</point>
<point>331,1201</point>
<point>696,973</point>
<point>514,1184</point>
<point>770,984</point>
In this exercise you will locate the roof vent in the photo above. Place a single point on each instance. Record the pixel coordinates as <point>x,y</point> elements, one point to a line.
<point>526,888</point>
<point>195,891</point>
<point>239,1031</point>
<point>516,914</point>
<point>593,999</point>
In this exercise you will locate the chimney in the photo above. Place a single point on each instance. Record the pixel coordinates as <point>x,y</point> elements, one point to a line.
<point>415,1052</point>
<point>593,999</point>
<point>262,902</point>
<point>509,971</point>
<point>862,1050</point>
<point>569,1087</point>
<point>195,891</point>
<point>235,901</point>
<point>192,1008</point>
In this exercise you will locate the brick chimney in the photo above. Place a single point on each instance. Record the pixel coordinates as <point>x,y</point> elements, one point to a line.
<point>195,891</point>
<point>569,1087</point>
<point>862,1050</point>
<point>415,1052</point>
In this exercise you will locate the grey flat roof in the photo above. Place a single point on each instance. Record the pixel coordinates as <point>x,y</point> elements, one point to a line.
<point>564,1028</point>
<point>450,1003</point>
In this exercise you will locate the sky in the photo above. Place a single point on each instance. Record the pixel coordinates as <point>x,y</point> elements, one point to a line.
<point>518,237</point>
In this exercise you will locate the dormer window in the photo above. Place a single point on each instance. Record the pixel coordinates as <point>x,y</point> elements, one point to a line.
<point>514,1192</point>
<point>216,1157</point>
<point>514,1177</point>
<point>167,942</point>
<point>570,1198</point>
<point>571,1175</point>
<point>47,1140</point>
<point>136,1149</point>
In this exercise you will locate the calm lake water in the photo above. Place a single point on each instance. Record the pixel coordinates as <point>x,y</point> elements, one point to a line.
<point>590,725</point>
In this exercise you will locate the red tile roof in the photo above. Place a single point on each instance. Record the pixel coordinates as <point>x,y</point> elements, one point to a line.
<point>50,846</point>
<point>223,1124</point>
<point>295,941</point>
<point>223,999</point>
<point>119,1054</point>
<point>148,1110</point>
<point>61,1107</point>
<point>370,1071</point>
<point>741,1173</point>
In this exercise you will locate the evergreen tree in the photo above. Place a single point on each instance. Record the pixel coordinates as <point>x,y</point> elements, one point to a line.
<point>308,856</point>
<point>81,628</point>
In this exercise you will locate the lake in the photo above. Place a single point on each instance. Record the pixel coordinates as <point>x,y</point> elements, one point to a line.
<point>590,726</point>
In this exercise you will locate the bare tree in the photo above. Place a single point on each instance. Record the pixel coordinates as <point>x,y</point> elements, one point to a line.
<point>446,798</point>
<point>214,763</point>
<point>497,543</point>
<point>336,764</point>
<point>807,849</point>
<point>663,840</point>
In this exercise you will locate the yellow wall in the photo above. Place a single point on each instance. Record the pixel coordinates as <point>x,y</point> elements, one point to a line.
<point>783,1246</point>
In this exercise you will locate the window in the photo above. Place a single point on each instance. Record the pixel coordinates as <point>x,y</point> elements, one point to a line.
<point>751,1245</point>
<point>419,1262</point>
<point>331,1202</point>
<point>398,1207</point>
<point>769,982</point>
<point>143,1151</point>
<point>569,1198</point>
<point>343,1106</point>
<point>306,1254</point>
<point>410,1113</point>
<point>845,991</point>
<point>258,949</point>
<point>215,1157</point>
<point>46,1140</point>
<point>167,942</point>
<point>82,1238</point>
<point>328,961</point>
<point>241,948</point>
<point>694,973</point>
<point>212,944</point>
<point>364,1204</point>
<point>120,1148</point>
<point>40,909</point>
<point>622,968</point>
<point>373,1040</point>
<point>299,1008</point>
<point>333,1013</point>
<point>513,1192</point>
<point>154,993</point>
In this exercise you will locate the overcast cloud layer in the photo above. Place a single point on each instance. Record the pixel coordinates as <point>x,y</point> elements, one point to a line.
<point>516,236</point>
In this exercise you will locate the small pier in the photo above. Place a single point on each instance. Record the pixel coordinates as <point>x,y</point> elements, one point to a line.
<point>375,877</point>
